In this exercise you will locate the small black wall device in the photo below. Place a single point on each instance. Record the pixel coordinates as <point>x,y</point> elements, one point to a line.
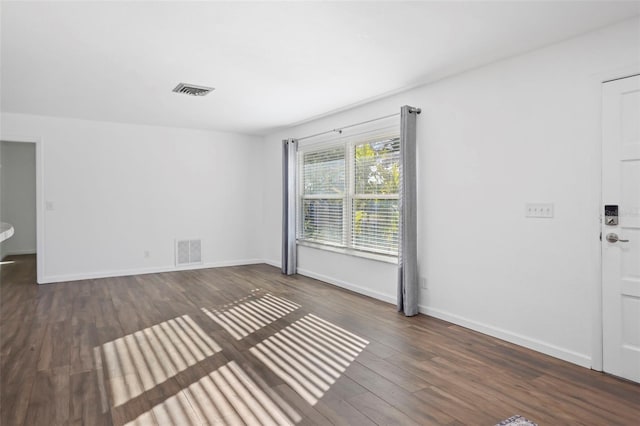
<point>611,215</point>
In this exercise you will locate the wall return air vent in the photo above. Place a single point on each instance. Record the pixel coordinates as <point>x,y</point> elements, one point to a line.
<point>188,252</point>
<point>192,89</point>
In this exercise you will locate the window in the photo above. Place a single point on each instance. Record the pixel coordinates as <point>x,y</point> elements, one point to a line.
<point>349,195</point>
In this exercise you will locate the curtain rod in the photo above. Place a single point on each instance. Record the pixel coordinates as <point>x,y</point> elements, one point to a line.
<point>340,129</point>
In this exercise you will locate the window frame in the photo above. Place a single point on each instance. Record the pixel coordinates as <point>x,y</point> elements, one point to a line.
<point>348,197</point>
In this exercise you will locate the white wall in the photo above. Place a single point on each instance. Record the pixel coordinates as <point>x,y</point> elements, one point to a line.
<point>521,130</point>
<point>18,193</point>
<point>119,190</point>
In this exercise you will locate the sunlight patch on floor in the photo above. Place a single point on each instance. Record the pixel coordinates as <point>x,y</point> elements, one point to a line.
<point>225,396</point>
<point>310,355</point>
<point>249,314</point>
<point>142,360</point>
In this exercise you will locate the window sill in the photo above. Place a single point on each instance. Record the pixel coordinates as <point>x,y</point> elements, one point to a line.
<point>386,258</point>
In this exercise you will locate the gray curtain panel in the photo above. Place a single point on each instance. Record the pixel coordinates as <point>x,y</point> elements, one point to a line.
<point>289,167</point>
<point>408,247</point>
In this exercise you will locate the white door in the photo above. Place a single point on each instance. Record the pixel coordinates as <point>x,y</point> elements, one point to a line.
<point>621,240</point>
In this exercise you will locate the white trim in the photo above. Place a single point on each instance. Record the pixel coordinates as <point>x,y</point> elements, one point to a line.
<point>515,338</point>
<point>275,263</point>
<point>348,142</point>
<point>598,79</point>
<point>518,339</point>
<point>19,252</point>
<point>564,354</point>
<point>379,257</point>
<point>142,271</point>
<point>40,199</point>
<point>348,286</point>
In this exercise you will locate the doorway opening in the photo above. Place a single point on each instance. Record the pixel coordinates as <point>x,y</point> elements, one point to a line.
<point>18,201</point>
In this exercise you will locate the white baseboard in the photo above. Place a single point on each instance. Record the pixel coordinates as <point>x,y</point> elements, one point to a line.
<point>508,336</point>
<point>518,339</point>
<point>141,271</point>
<point>511,337</point>
<point>343,284</point>
<point>18,252</point>
<point>275,263</point>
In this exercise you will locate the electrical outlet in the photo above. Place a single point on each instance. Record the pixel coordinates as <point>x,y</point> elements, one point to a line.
<point>539,210</point>
<point>423,283</point>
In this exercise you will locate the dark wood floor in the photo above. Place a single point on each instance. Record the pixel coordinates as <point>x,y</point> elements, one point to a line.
<point>248,345</point>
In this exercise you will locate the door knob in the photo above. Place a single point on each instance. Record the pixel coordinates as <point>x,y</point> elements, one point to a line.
<point>613,238</point>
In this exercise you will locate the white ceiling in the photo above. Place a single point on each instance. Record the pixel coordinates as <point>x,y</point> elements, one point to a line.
<point>272,63</point>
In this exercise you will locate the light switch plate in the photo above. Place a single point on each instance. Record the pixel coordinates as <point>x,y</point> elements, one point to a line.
<point>544,210</point>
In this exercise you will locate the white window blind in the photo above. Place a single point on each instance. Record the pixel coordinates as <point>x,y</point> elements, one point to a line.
<point>375,211</point>
<point>349,194</point>
<point>323,196</point>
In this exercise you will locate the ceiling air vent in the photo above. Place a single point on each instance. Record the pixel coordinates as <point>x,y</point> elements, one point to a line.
<point>192,89</point>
